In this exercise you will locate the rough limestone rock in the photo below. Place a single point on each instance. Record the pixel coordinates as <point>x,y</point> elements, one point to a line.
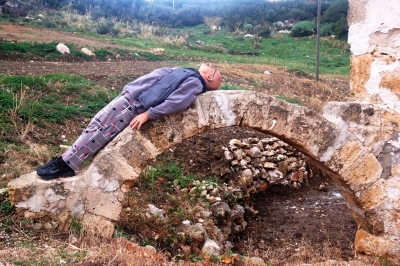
<point>62,48</point>
<point>87,52</point>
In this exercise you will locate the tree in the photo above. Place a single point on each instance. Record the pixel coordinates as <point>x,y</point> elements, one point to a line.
<point>304,28</point>
<point>341,29</point>
<point>336,11</point>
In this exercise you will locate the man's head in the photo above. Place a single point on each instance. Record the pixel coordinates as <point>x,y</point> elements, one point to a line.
<point>211,76</point>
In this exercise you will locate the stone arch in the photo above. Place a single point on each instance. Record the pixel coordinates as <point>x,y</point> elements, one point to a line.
<point>344,142</point>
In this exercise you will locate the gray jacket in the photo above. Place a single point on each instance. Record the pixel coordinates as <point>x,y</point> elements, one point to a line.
<point>177,101</point>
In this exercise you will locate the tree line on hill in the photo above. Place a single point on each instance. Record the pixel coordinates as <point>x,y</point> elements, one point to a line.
<point>232,13</point>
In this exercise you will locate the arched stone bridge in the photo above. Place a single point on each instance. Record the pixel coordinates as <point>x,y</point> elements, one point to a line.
<point>346,142</point>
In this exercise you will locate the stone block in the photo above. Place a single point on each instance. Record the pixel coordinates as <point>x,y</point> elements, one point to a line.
<point>374,196</point>
<point>97,226</point>
<point>22,188</point>
<point>348,154</point>
<point>101,203</point>
<point>372,245</point>
<point>59,196</point>
<point>360,72</point>
<point>393,190</point>
<point>363,173</point>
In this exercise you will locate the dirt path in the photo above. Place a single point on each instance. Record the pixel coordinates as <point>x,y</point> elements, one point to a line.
<point>20,33</point>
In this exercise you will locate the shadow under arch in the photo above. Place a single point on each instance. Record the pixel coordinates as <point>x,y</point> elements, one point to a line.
<point>309,214</point>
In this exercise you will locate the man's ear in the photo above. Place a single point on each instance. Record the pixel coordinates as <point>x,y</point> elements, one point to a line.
<point>209,78</point>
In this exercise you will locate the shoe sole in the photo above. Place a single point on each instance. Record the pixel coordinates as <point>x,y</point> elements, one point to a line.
<point>50,177</point>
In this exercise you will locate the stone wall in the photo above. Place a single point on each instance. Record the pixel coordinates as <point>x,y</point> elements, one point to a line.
<point>374,36</point>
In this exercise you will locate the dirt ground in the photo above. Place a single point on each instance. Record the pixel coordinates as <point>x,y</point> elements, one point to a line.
<point>287,217</point>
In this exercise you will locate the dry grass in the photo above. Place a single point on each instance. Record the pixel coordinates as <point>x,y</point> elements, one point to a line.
<point>281,82</point>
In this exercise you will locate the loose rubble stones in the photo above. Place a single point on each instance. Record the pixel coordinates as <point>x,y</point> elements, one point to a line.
<point>260,163</point>
<point>265,162</point>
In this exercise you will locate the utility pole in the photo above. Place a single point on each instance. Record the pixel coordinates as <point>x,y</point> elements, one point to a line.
<point>318,39</point>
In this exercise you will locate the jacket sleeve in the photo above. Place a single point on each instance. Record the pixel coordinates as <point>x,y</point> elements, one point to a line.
<point>144,82</point>
<point>179,100</point>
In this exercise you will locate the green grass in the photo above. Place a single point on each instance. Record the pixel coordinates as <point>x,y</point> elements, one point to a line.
<point>44,50</point>
<point>289,99</point>
<point>49,51</point>
<point>6,207</point>
<point>36,99</point>
<point>283,51</point>
<point>227,86</point>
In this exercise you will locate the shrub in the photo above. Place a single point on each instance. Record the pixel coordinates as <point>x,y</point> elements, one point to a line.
<point>341,29</point>
<point>266,33</point>
<point>256,42</point>
<point>102,53</point>
<point>212,21</point>
<point>326,29</point>
<point>63,24</point>
<point>80,8</point>
<point>107,28</point>
<point>304,28</point>
<point>248,28</point>
<point>49,24</point>
<point>19,10</point>
<point>96,13</point>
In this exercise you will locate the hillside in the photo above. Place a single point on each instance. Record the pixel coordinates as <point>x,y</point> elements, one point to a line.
<point>289,228</point>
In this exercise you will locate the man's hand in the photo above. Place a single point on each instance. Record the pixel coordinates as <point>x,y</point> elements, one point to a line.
<point>139,120</point>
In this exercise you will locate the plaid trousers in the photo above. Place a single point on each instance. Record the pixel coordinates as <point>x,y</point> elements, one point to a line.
<point>103,127</point>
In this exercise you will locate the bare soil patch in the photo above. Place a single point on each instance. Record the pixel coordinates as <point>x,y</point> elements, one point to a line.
<point>289,220</point>
<point>22,33</point>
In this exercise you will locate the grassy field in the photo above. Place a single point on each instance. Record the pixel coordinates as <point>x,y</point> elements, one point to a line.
<point>222,46</point>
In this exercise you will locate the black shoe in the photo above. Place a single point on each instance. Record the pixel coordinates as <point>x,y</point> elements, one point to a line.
<point>54,169</point>
<point>55,158</point>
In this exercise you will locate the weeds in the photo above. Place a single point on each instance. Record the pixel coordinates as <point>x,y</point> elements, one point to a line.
<point>290,99</point>
<point>45,50</point>
<point>384,260</point>
<point>103,53</point>
<point>163,184</point>
<point>76,226</point>
<point>6,207</point>
<point>227,86</point>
